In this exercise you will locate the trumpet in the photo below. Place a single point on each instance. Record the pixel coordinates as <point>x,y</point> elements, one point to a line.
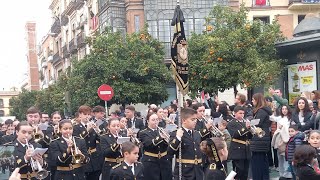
<point>97,129</point>
<point>134,139</point>
<point>214,130</point>
<point>256,130</point>
<point>36,166</point>
<point>166,136</point>
<point>36,135</point>
<point>77,157</point>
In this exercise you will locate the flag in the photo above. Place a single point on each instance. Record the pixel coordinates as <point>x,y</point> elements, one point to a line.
<point>179,52</point>
<point>261,2</point>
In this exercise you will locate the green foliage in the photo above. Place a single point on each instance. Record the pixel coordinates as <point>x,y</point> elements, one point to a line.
<point>233,51</point>
<point>132,65</point>
<point>21,103</point>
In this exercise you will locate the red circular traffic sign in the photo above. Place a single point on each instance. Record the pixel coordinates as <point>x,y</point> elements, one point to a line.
<point>105,92</point>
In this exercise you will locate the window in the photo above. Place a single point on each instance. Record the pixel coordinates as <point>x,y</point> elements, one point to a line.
<point>300,18</point>
<point>260,2</point>
<point>264,19</point>
<point>1,103</point>
<point>1,113</point>
<point>136,23</point>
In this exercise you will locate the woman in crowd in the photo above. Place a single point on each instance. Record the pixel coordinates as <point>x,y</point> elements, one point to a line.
<point>260,145</point>
<point>302,114</point>
<point>306,94</point>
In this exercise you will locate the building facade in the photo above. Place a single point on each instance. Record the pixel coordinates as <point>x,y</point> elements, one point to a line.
<point>5,96</point>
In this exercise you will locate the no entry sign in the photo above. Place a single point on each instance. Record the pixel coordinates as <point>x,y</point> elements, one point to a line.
<point>105,92</point>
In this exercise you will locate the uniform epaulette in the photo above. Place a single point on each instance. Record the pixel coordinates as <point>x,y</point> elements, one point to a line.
<point>143,129</point>
<point>55,139</point>
<point>213,166</point>
<point>116,166</point>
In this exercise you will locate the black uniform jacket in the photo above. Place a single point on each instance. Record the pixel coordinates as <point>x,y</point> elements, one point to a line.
<point>239,146</point>
<point>63,159</point>
<point>92,139</point>
<point>7,139</point>
<point>123,172</point>
<point>306,172</point>
<point>138,123</point>
<point>19,153</point>
<point>191,153</point>
<point>213,172</point>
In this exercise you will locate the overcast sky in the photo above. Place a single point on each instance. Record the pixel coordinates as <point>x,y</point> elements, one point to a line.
<point>14,15</point>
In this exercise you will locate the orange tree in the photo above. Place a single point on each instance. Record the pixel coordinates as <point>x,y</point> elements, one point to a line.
<point>232,51</point>
<point>132,65</point>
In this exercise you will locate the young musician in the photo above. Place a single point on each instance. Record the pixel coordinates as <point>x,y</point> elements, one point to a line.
<point>216,150</point>
<point>123,126</point>
<point>239,145</point>
<point>132,121</point>
<point>189,139</point>
<point>130,168</point>
<point>99,113</point>
<point>23,149</point>
<point>156,161</point>
<point>110,149</point>
<point>53,128</point>
<point>85,130</point>
<point>63,151</point>
<point>201,125</point>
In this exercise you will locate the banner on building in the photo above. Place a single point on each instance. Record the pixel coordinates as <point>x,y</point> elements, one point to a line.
<point>301,77</point>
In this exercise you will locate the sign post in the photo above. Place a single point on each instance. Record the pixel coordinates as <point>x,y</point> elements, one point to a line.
<point>105,92</point>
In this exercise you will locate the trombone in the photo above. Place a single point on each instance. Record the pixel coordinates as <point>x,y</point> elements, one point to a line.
<point>77,157</point>
<point>165,135</point>
<point>256,130</point>
<point>36,166</point>
<point>214,130</point>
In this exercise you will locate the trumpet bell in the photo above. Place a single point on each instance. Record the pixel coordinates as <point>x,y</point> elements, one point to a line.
<point>260,133</point>
<point>78,159</point>
<point>42,174</point>
<point>37,137</point>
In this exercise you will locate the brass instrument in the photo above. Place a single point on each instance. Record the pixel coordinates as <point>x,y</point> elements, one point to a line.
<point>256,130</point>
<point>134,139</point>
<point>36,166</point>
<point>77,158</point>
<point>214,130</point>
<point>165,134</point>
<point>36,135</point>
<point>97,129</point>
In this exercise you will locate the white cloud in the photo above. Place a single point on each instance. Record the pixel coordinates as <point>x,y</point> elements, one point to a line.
<point>13,16</point>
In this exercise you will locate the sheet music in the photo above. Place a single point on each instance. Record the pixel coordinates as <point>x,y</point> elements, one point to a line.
<point>122,140</point>
<point>171,127</point>
<point>40,151</point>
<point>254,122</point>
<point>217,120</point>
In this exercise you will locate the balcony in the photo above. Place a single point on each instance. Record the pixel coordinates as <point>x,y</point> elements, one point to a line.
<point>56,57</point>
<point>56,27</point>
<point>64,20</point>
<point>44,64</point>
<point>304,5</point>
<point>258,4</point>
<point>73,45</point>
<point>81,40</point>
<point>50,58</point>
<point>65,51</point>
<point>72,6</point>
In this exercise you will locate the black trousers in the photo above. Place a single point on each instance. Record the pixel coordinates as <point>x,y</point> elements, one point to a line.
<point>260,166</point>
<point>93,175</point>
<point>241,167</point>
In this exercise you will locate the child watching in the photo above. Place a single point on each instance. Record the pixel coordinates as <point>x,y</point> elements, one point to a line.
<point>314,141</point>
<point>303,158</point>
<point>295,141</point>
<point>226,135</point>
<point>130,168</point>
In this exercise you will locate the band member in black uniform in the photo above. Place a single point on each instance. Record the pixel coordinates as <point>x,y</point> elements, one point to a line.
<point>123,126</point>
<point>23,149</point>
<point>111,152</point>
<point>201,125</point>
<point>99,113</point>
<point>156,161</point>
<point>216,150</point>
<point>190,140</point>
<point>130,168</point>
<point>64,152</point>
<point>85,130</point>
<point>133,122</point>
<point>53,128</point>
<point>162,120</point>
<point>239,146</point>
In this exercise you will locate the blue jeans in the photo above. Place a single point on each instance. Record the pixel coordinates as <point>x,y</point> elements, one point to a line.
<point>292,170</point>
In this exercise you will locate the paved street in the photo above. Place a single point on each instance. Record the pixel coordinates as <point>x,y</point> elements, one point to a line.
<point>4,176</point>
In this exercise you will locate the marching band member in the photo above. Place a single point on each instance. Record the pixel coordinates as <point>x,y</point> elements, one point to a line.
<point>130,168</point>
<point>23,150</point>
<point>132,121</point>
<point>53,128</point>
<point>162,121</point>
<point>123,127</point>
<point>69,154</point>
<point>239,145</point>
<point>216,150</point>
<point>99,113</point>
<point>190,140</point>
<point>110,149</point>
<point>156,161</point>
<point>85,130</point>
<point>201,125</point>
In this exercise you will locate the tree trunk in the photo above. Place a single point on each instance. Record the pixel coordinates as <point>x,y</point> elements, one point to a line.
<point>235,90</point>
